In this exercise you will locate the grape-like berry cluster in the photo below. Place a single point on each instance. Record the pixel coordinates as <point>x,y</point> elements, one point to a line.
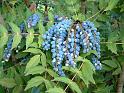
<point>91,41</point>
<point>8,51</point>
<point>33,20</point>
<point>65,39</point>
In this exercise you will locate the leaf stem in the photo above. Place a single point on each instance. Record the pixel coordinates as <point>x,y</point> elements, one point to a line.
<point>73,77</point>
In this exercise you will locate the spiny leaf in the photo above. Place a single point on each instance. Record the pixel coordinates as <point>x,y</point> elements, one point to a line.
<point>17,89</point>
<point>71,2</point>
<point>75,71</point>
<point>3,29</point>
<point>40,41</point>
<point>79,16</point>
<point>33,50</point>
<point>117,71</point>
<point>33,62</point>
<point>34,82</point>
<point>16,40</point>
<point>41,27</point>
<point>87,71</point>
<point>110,63</point>
<point>48,84</point>
<point>3,36</point>
<point>43,59</point>
<point>15,28</point>
<point>112,47</point>
<point>52,73</point>
<point>89,53</point>
<point>7,82</point>
<point>56,90</point>
<point>51,16</point>
<point>111,5</point>
<point>29,38</point>
<point>35,70</point>
<point>72,84</point>
<point>1,53</point>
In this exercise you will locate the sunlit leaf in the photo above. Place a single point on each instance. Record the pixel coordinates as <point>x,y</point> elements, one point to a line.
<point>55,90</point>
<point>33,62</point>
<point>72,84</point>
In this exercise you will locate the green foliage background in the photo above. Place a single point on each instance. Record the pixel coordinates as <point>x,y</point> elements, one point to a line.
<point>36,74</point>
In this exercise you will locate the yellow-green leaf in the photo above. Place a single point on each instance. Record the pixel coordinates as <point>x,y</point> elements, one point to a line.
<point>29,38</point>
<point>35,70</point>
<point>71,84</point>
<point>33,62</point>
<point>55,90</point>
<point>33,50</point>
<point>16,40</point>
<point>8,82</point>
<point>111,5</point>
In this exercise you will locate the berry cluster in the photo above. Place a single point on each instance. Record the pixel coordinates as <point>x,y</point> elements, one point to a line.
<point>55,37</point>
<point>33,20</point>
<point>65,39</point>
<point>91,41</point>
<point>8,51</point>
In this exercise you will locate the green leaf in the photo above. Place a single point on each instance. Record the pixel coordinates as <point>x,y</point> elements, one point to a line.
<point>74,9</point>
<point>51,16</point>
<point>48,84</point>
<point>103,3</point>
<point>72,84</point>
<point>34,45</point>
<point>43,59</point>
<point>33,50</point>
<point>8,82</point>
<point>1,52</point>
<point>41,27</point>
<point>18,89</point>
<point>34,82</point>
<point>111,5</point>
<point>71,2</point>
<point>79,16</point>
<point>15,28</point>
<point>112,38</point>
<point>3,36</point>
<point>79,58</point>
<point>75,71</point>
<point>89,53</point>
<point>87,71</point>
<point>110,63</point>
<point>35,70</point>
<point>40,41</point>
<point>52,73</point>
<point>56,90</point>
<point>117,71</point>
<point>29,38</point>
<point>112,47</point>
<point>33,62</point>
<point>16,40</point>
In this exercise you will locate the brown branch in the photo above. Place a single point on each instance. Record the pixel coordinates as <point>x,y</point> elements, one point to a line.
<point>121,81</point>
